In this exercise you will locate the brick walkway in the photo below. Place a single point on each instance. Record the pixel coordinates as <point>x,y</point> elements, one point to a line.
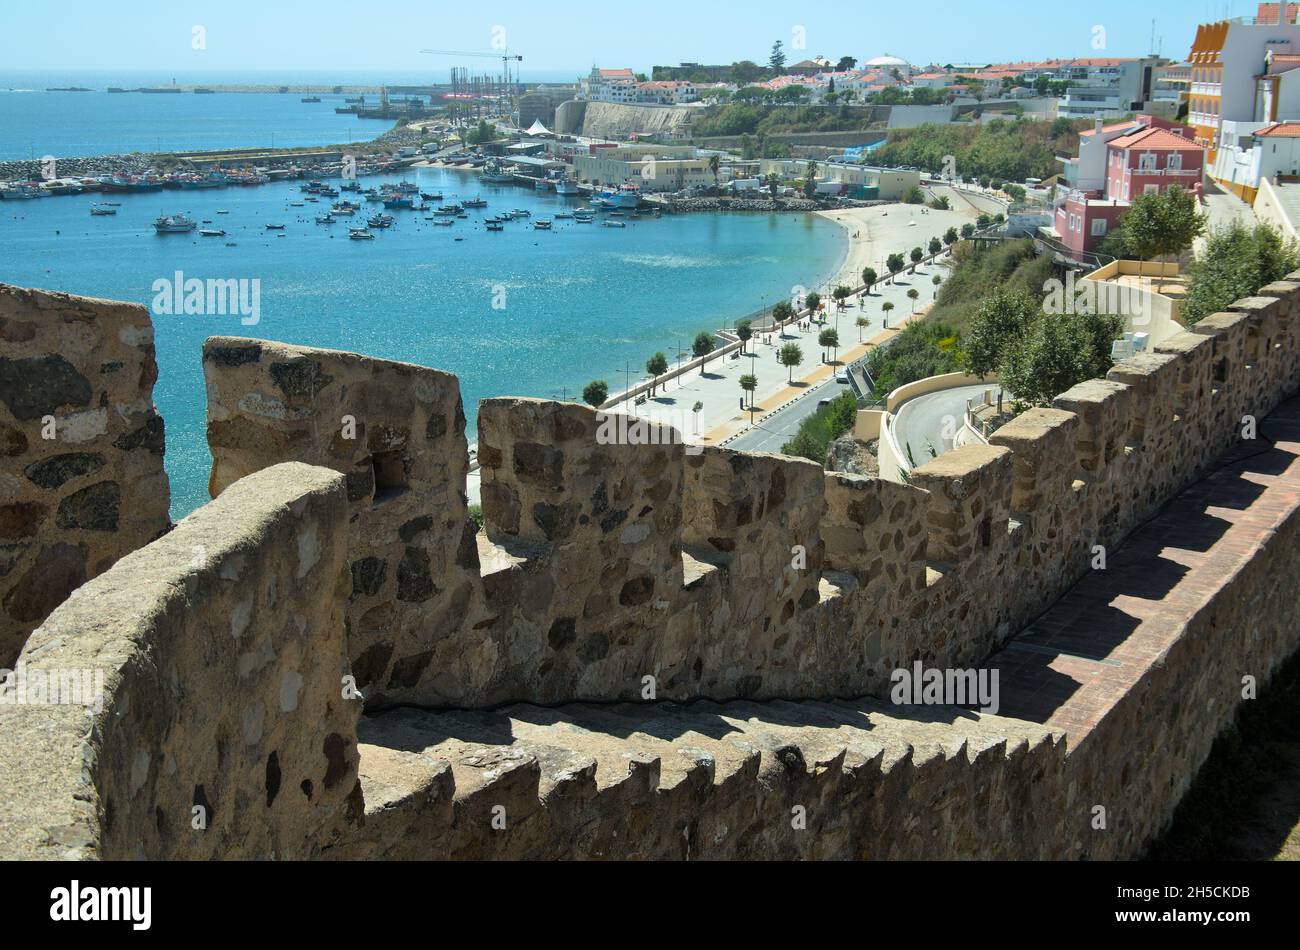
<point>1087,651</point>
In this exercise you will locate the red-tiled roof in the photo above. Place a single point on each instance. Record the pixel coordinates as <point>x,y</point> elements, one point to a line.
<point>1156,139</point>
<point>1283,130</point>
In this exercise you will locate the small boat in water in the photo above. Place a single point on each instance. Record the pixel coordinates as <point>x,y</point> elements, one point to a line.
<point>275,227</point>
<point>431,196</point>
<point>174,224</point>
<point>475,203</point>
<point>360,234</point>
<point>212,232</point>
<point>103,209</point>
<point>566,186</point>
<point>222,212</point>
<point>380,221</point>
<point>613,224</point>
<point>443,222</point>
<point>521,213</point>
<point>564,216</point>
<point>542,225</point>
<point>325,219</point>
<point>495,226</point>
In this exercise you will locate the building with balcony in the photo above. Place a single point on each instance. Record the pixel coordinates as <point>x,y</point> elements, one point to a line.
<point>1228,60</point>
<point>1116,164</point>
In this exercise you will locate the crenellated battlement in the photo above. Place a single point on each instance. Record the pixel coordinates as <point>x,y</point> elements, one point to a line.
<point>737,607</point>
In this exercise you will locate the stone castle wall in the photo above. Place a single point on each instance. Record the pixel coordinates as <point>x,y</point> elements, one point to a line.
<point>722,574</point>
<point>222,730</point>
<point>81,449</point>
<point>757,587</point>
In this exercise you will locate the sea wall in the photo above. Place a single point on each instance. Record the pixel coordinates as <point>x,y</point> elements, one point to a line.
<point>212,720</point>
<point>81,449</point>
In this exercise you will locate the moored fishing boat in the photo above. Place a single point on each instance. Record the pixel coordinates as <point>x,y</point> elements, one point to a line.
<point>174,224</point>
<point>212,232</point>
<point>360,234</point>
<point>474,203</point>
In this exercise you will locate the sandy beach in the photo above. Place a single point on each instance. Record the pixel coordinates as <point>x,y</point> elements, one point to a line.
<point>875,233</point>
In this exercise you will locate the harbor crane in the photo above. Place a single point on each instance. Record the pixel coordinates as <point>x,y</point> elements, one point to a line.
<point>505,56</point>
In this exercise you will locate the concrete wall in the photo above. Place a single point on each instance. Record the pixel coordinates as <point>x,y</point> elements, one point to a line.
<point>81,449</point>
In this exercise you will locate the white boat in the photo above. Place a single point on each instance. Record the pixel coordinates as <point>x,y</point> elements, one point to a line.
<point>566,186</point>
<point>174,224</point>
<point>212,232</point>
<point>103,209</point>
<point>360,234</point>
<point>613,224</point>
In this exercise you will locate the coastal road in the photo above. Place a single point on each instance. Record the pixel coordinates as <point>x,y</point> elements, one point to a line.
<point>933,419</point>
<point>780,427</point>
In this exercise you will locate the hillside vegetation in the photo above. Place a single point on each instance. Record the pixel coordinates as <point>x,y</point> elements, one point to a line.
<point>743,119</point>
<point>1012,266</point>
<point>1006,149</point>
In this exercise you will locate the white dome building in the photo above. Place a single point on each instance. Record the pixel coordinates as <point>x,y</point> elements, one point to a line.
<point>888,62</point>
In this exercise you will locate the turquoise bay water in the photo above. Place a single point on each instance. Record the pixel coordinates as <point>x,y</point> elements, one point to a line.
<point>68,124</point>
<point>581,303</point>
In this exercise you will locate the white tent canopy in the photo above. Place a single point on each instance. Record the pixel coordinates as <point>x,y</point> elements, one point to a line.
<point>538,129</point>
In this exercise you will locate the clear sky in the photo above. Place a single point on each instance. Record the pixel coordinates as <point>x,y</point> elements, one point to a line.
<point>572,35</point>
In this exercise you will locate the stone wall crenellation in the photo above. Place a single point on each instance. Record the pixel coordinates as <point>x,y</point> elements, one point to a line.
<point>656,650</point>
<point>81,449</point>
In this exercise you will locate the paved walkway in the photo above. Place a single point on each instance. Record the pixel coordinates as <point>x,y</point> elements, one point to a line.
<point>1068,668</point>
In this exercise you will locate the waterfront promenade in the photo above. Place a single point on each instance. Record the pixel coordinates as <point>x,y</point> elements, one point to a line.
<point>717,386</point>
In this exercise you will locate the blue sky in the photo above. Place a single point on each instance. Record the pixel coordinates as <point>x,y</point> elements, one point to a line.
<point>570,36</point>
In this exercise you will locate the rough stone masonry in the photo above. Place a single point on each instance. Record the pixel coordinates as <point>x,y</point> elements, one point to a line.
<point>736,615</point>
<point>81,449</point>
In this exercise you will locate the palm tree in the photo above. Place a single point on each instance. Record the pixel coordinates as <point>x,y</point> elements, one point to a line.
<point>886,306</point>
<point>790,355</point>
<point>696,409</point>
<point>936,280</point>
<point>912,294</point>
<point>714,164</point>
<point>810,179</point>
<point>862,323</point>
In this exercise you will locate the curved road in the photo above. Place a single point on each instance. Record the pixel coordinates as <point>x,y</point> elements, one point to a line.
<point>933,419</point>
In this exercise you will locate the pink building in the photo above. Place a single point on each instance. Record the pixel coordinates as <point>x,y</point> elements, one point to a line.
<point>1148,158</point>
